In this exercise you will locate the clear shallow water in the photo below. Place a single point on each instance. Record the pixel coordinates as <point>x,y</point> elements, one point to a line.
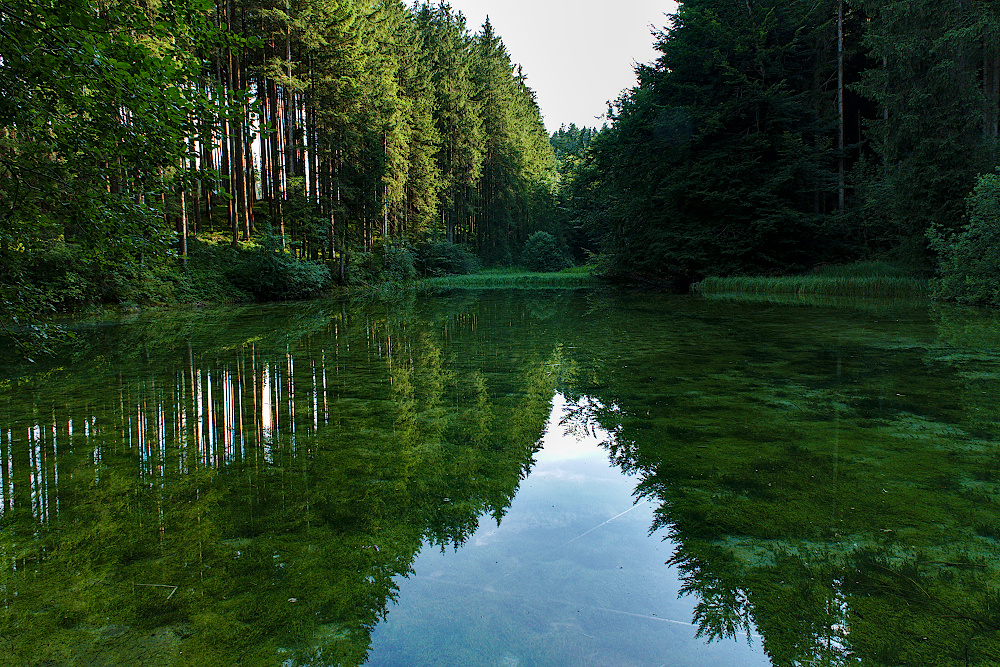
<point>788,484</point>
<point>571,576</point>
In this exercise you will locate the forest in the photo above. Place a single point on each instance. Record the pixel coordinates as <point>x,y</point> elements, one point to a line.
<point>208,151</point>
<point>183,148</point>
<point>772,137</point>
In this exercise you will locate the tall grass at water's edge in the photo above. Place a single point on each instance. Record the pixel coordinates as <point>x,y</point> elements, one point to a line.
<point>862,280</point>
<point>877,280</point>
<point>512,278</point>
<point>507,278</point>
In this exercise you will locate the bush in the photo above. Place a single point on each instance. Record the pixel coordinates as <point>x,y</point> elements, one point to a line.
<point>397,261</point>
<point>388,262</point>
<point>442,258</point>
<point>67,277</point>
<point>542,252</point>
<point>969,261</point>
<point>269,273</point>
<point>363,268</point>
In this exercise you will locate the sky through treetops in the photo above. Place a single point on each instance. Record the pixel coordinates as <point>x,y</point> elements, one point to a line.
<point>577,54</point>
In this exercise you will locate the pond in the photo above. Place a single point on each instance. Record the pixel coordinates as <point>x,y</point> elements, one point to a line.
<point>586,477</point>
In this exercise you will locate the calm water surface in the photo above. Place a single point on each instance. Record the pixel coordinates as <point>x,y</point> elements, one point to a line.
<point>507,478</point>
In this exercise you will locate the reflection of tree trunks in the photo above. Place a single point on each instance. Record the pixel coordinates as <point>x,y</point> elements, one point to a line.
<point>5,480</point>
<point>241,386</point>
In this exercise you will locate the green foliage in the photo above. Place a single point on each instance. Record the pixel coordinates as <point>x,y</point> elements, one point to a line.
<point>574,199</point>
<point>438,257</point>
<point>269,273</point>
<point>201,279</point>
<point>397,261</point>
<point>867,280</point>
<point>542,252</point>
<point>373,122</point>
<point>719,161</point>
<point>724,159</point>
<point>518,170</point>
<point>363,268</point>
<point>96,110</point>
<point>389,262</point>
<point>969,260</point>
<point>882,287</point>
<point>570,143</point>
<point>931,78</point>
<point>868,269</point>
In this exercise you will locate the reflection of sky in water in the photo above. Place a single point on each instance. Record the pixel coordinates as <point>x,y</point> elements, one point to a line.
<point>570,577</point>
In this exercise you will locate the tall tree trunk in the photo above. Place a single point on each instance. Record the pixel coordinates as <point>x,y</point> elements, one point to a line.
<point>991,91</point>
<point>840,106</point>
<point>195,185</point>
<point>184,228</point>
<point>237,203</point>
<point>277,189</point>
<point>241,147</point>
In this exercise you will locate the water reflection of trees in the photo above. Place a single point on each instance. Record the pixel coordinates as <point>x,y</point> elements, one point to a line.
<point>754,545</point>
<point>206,497</point>
<point>834,495</point>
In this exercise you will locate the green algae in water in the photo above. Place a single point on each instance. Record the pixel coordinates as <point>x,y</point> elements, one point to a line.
<point>254,485</point>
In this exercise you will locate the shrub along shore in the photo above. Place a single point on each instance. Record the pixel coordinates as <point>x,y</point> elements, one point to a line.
<point>216,271</point>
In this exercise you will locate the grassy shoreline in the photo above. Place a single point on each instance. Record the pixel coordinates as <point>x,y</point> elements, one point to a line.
<point>508,278</point>
<point>865,280</point>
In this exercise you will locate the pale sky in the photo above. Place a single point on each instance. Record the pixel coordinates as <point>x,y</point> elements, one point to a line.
<point>577,54</point>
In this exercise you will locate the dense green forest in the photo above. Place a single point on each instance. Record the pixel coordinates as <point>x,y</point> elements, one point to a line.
<point>320,137</point>
<point>773,136</point>
<point>209,151</point>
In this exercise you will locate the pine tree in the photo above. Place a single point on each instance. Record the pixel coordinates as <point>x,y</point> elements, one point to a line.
<point>934,80</point>
<point>721,158</point>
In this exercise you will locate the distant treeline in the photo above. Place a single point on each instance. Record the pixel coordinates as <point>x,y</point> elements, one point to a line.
<point>337,126</point>
<point>774,135</point>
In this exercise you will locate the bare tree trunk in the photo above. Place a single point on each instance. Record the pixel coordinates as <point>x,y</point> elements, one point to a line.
<point>207,163</point>
<point>195,185</point>
<point>241,148</point>
<point>184,229</point>
<point>275,151</point>
<point>991,90</point>
<point>840,106</point>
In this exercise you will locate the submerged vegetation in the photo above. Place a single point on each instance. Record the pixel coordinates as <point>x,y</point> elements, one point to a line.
<point>827,476</point>
<point>189,486</point>
<point>222,503</point>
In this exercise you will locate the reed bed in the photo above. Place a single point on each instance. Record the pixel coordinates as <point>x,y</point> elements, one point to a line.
<point>512,278</point>
<point>884,287</point>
